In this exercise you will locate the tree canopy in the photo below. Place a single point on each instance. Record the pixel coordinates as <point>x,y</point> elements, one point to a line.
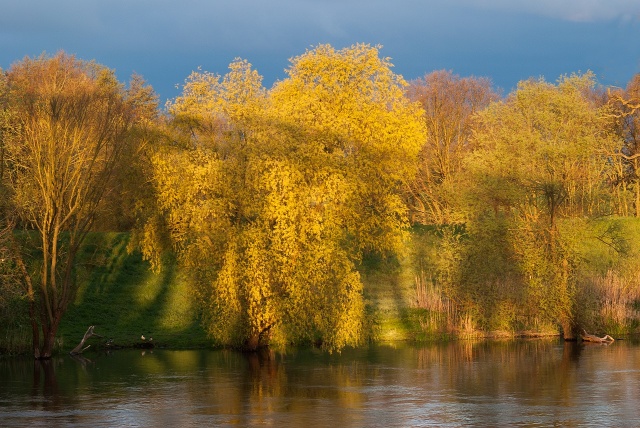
<point>67,123</point>
<point>450,104</point>
<point>540,156</point>
<point>277,194</point>
<point>271,200</point>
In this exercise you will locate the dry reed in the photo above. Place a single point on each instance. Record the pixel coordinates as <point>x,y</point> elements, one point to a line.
<point>619,299</point>
<point>442,316</point>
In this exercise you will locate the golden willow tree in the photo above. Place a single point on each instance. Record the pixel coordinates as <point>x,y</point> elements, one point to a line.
<point>67,124</point>
<point>540,163</point>
<point>271,197</point>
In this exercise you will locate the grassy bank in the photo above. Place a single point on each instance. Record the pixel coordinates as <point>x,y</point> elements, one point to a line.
<point>124,300</point>
<point>408,299</point>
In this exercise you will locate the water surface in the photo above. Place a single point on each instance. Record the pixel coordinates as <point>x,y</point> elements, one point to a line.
<point>511,383</point>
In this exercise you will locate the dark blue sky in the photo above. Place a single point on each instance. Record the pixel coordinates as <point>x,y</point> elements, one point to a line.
<point>505,40</point>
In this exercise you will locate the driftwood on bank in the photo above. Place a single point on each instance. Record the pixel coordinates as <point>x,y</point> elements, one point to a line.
<point>586,337</point>
<point>79,349</point>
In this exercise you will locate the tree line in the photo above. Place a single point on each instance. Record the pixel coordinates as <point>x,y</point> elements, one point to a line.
<point>270,199</point>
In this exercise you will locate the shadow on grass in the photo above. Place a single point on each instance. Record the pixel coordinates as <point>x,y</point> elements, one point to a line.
<point>125,300</point>
<point>386,297</point>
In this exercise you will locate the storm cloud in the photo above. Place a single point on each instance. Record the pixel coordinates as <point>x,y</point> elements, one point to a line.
<point>164,41</point>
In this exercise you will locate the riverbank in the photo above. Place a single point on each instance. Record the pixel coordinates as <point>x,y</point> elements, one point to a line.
<point>126,302</point>
<point>130,305</point>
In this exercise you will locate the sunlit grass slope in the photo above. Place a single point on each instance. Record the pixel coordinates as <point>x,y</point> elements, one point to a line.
<point>390,293</point>
<point>405,303</point>
<point>124,300</point>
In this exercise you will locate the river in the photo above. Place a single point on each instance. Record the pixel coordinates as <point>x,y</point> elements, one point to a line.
<point>524,383</point>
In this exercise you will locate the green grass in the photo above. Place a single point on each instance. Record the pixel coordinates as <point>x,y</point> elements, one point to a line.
<point>124,300</point>
<point>391,295</point>
<point>389,290</point>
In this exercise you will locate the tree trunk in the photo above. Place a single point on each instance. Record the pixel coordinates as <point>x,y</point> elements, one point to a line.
<point>595,339</point>
<point>79,349</point>
<point>568,330</point>
<point>47,346</point>
<point>49,336</point>
<point>257,339</point>
<point>252,342</point>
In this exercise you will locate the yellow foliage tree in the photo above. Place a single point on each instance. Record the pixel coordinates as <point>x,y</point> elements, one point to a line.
<point>348,105</point>
<point>275,197</point>
<point>626,116</point>
<point>541,156</point>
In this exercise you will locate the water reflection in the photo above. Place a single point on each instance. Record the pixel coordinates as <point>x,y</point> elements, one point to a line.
<point>45,384</point>
<point>524,383</point>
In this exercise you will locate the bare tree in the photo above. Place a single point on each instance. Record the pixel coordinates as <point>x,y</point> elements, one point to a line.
<point>70,121</point>
<point>449,103</point>
<point>625,105</point>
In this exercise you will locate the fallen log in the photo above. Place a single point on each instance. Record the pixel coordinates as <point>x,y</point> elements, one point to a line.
<point>79,349</point>
<point>592,338</point>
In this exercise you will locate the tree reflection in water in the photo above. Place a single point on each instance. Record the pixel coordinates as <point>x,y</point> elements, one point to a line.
<point>45,384</point>
<point>500,383</point>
